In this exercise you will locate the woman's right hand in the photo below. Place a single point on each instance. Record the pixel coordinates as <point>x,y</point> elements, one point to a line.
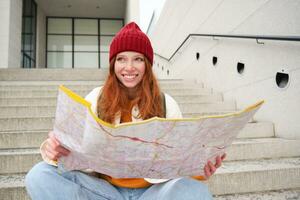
<point>53,149</point>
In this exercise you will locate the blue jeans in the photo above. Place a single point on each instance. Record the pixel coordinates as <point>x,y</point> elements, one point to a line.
<point>44,181</point>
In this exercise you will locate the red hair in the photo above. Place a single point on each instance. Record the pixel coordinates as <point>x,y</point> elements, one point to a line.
<point>114,97</point>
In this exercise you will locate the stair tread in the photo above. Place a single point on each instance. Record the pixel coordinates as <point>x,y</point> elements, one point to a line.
<point>17,180</point>
<point>293,194</point>
<point>19,151</point>
<point>54,106</point>
<point>259,165</point>
<point>12,180</point>
<point>237,141</point>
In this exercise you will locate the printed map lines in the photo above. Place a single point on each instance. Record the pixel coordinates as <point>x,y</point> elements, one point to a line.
<point>134,138</point>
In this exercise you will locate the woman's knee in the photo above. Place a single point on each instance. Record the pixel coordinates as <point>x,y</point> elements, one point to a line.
<point>37,174</point>
<point>186,188</point>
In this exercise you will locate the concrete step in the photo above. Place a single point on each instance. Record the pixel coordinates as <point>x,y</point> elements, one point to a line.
<point>83,85</point>
<point>258,148</point>
<point>18,160</point>
<point>207,107</point>
<point>256,176</point>
<point>45,122</point>
<point>25,85</point>
<point>12,187</point>
<point>257,130</point>
<point>236,177</point>
<point>21,160</point>
<point>22,139</point>
<point>51,101</point>
<point>188,108</point>
<point>268,195</point>
<point>26,124</point>
<point>83,92</point>
<point>31,138</point>
<point>18,74</point>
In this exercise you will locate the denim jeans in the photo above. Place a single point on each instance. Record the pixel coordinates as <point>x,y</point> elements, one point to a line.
<point>44,181</point>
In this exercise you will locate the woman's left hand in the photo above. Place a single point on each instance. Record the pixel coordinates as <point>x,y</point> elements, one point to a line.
<point>210,169</point>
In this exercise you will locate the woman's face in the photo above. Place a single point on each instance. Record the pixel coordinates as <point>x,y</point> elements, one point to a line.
<point>130,68</point>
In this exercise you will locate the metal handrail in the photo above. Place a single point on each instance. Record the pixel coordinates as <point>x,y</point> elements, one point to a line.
<point>256,37</point>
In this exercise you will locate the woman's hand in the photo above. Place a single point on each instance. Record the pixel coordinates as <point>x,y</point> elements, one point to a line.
<point>53,149</point>
<point>210,169</point>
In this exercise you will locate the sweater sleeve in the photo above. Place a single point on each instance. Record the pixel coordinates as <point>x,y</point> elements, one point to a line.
<point>92,97</point>
<point>172,108</point>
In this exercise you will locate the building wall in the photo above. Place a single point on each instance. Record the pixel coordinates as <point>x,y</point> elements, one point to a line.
<point>41,39</point>
<point>132,11</point>
<point>4,32</point>
<point>10,34</point>
<point>262,61</point>
<point>15,32</point>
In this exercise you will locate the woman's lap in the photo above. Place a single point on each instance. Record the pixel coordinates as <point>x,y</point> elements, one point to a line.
<point>45,182</point>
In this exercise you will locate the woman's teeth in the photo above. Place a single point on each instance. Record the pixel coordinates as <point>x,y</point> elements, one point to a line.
<point>129,76</point>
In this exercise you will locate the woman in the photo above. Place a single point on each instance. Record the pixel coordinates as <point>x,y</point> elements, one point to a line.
<point>130,93</point>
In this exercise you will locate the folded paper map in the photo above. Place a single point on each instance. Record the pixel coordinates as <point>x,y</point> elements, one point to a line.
<point>155,148</point>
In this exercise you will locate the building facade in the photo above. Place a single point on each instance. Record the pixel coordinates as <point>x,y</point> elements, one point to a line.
<point>61,34</point>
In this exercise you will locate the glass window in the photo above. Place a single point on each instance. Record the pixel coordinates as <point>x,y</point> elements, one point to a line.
<point>79,42</point>
<point>59,60</point>
<point>104,60</point>
<point>86,60</point>
<point>60,26</point>
<point>105,42</point>
<point>27,42</point>
<point>28,24</point>
<point>110,27</point>
<point>86,43</point>
<point>28,46</point>
<point>59,43</point>
<point>27,8</point>
<point>86,26</point>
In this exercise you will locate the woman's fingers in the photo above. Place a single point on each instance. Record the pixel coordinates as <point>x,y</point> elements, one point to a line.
<point>219,160</point>
<point>50,152</point>
<point>223,156</point>
<point>207,171</point>
<point>53,148</point>
<point>210,168</point>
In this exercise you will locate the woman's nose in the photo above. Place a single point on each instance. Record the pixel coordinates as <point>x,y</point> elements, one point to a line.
<point>129,65</point>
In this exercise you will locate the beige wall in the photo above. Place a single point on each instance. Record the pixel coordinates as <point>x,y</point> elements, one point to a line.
<point>10,34</point>
<point>262,61</point>
<point>41,39</point>
<point>15,32</point>
<point>132,11</point>
<point>4,32</point>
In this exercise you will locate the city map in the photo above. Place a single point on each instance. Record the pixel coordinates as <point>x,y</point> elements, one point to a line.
<point>156,148</point>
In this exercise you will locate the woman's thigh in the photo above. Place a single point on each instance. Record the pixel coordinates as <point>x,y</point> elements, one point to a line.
<point>44,181</point>
<point>177,189</point>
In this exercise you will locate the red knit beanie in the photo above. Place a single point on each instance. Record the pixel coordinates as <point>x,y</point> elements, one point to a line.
<point>131,38</point>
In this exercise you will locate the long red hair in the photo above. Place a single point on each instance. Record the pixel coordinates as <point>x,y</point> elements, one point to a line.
<point>114,97</point>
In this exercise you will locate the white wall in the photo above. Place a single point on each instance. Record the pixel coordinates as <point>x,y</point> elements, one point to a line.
<point>41,39</point>
<point>15,32</point>
<point>149,10</point>
<point>262,61</point>
<point>132,11</point>
<point>10,33</point>
<point>4,32</point>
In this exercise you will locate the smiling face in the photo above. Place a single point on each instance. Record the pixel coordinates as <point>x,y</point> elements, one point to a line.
<point>130,68</point>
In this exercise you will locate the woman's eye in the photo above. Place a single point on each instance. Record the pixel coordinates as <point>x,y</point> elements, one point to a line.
<point>120,59</point>
<point>139,59</point>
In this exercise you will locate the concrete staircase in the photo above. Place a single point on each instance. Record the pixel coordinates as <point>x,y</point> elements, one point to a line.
<point>258,165</point>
